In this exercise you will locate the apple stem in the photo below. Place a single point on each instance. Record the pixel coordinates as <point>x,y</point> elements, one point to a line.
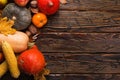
<point>50,3</point>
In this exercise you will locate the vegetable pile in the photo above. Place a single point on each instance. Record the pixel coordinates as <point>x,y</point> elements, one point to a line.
<point>19,21</point>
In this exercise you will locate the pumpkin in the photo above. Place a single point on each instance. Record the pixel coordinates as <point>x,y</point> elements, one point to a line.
<point>21,15</point>
<point>39,19</point>
<point>18,41</point>
<point>31,61</point>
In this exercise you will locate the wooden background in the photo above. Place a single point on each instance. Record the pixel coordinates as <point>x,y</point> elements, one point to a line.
<point>82,41</point>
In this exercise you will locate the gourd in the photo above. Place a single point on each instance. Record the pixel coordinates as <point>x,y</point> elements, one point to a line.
<point>20,15</point>
<point>18,41</point>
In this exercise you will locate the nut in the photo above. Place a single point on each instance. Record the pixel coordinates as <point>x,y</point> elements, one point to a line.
<point>33,3</point>
<point>33,29</point>
<point>34,10</point>
<point>28,33</point>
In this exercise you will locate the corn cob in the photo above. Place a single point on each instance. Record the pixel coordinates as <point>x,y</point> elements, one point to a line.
<point>3,68</point>
<point>10,59</point>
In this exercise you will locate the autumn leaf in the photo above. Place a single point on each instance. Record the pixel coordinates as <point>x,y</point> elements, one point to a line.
<point>42,74</point>
<point>63,1</point>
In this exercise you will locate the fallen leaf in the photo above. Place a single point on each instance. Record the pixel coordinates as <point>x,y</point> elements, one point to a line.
<point>42,74</point>
<point>63,1</point>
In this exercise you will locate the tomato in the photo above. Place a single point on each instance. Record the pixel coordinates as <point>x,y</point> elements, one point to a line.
<point>31,61</point>
<point>39,19</point>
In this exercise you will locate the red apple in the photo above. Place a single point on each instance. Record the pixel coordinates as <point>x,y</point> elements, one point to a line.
<point>48,7</point>
<point>21,2</point>
<point>3,3</point>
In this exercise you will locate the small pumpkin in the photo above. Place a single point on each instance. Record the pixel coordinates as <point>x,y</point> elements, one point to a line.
<point>18,41</point>
<point>31,61</point>
<point>21,15</point>
<point>39,19</point>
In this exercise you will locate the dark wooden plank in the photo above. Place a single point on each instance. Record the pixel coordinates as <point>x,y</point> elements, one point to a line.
<point>69,77</point>
<point>84,77</point>
<point>86,21</point>
<point>80,63</point>
<point>79,42</point>
<point>92,5</point>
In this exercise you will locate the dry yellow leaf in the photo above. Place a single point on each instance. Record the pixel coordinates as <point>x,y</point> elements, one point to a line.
<point>42,74</point>
<point>6,26</point>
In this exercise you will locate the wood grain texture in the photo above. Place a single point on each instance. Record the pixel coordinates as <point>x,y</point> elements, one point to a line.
<point>78,63</point>
<point>85,77</point>
<point>86,21</point>
<point>79,42</point>
<point>69,77</point>
<point>81,5</point>
<point>82,38</point>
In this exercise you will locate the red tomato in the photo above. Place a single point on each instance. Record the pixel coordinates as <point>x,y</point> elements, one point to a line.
<point>31,61</point>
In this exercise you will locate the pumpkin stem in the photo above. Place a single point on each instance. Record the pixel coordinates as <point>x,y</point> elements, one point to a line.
<point>30,44</point>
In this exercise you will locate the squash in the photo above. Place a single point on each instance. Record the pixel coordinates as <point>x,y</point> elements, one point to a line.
<point>18,41</point>
<point>20,15</point>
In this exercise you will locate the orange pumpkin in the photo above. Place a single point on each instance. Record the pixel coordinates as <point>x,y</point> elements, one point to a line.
<point>31,61</point>
<point>39,19</point>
